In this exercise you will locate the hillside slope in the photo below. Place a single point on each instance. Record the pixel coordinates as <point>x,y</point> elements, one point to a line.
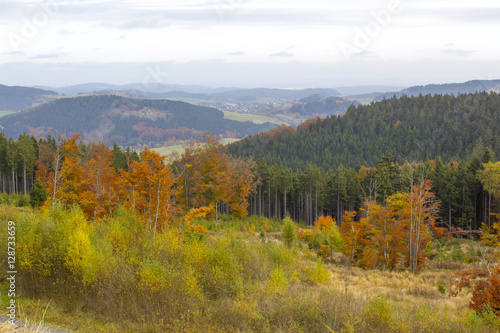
<point>127,121</point>
<point>413,129</point>
<point>14,98</point>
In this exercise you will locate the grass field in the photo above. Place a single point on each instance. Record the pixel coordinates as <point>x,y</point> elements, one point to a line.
<point>165,151</point>
<point>250,117</point>
<point>190,100</point>
<point>4,113</point>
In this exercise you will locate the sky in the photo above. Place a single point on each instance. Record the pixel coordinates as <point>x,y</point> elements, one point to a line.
<point>249,43</point>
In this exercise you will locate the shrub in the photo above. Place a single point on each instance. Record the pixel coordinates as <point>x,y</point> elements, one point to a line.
<point>288,234</point>
<point>277,282</point>
<point>37,195</point>
<point>22,201</point>
<point>320,275</point>
<point>378,312</point>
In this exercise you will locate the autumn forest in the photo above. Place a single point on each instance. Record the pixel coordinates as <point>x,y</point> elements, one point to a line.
<point>238,238</point>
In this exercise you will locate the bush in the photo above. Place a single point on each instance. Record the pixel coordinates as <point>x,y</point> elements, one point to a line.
<point>288,234</point>
<point>37,195</point>
<point>320,275</point>
<point>22,201</point>
<point>278,283</point>
<point>378,312</point>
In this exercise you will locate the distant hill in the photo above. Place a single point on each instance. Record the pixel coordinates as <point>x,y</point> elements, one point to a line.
<point>127,121</point>
<point>154,90</point>
<point>289,94</point>
<point>445,89</point>
<point>409,128</point>
<point>147,88</point>
<point>15,98</point>
<point>360,90</point>
<point>316,105</point>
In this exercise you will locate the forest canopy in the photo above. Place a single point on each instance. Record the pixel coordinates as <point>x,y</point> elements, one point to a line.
<point>409,128</point>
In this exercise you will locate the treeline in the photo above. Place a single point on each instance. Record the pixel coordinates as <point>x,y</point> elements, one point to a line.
<point>468,87</point>
<point>203,180</point>
<point>20,160</point>
<point>411,129</point>
<point>467,191</point>
<point>205,175</point>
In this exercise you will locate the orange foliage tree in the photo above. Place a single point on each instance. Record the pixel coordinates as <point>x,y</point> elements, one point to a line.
<point>419,214</point>
<point>98,186</point>
<point>61,171</point>
<point>205,173</point>
<point>394,233</point>
<point>242,182</point>
<point>389,235</point>
<point>359,245</point>
<point>485,279</point>
<point>149,187</point>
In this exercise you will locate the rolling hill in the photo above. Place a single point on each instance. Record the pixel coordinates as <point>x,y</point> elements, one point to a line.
<point>409,128</point>
<point>15,98</point>
<point>159,91</point>
<point>126,121</point>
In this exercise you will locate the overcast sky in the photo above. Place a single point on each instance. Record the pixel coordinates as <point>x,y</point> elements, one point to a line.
<point>249,43</point>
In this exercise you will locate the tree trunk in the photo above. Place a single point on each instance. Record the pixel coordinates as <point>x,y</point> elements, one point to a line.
<point>338,207</point>
<point>489,204</point>
<point>284,203</point>
<point>449,215</point>
<point>316,204</point>
<point>24,179</point>
<point>260,200</point>
<point>157,207</point>
<point>269,200</point>
<point>276,203</point>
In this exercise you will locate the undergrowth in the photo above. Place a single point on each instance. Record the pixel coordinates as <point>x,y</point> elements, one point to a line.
<point>228,275</point>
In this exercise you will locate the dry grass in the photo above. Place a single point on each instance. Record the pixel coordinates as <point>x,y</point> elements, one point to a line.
<point>402,288</point>
<point>27,324</point>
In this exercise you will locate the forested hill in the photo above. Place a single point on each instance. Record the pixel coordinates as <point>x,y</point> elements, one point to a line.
<point>22,98</point>
<point>469,87</point>
<point>409,128</point>
<point>126,121</point>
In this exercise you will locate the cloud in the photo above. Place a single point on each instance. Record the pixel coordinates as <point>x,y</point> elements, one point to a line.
<point>457,53</point>
<point>147,22</point>
<point>144,14</point>
<point>13,53</point>
<point>66,32</point>
<point>445,15</point>
<point>48,56</point>
<point>365,55</point>
<point>282,54</point>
